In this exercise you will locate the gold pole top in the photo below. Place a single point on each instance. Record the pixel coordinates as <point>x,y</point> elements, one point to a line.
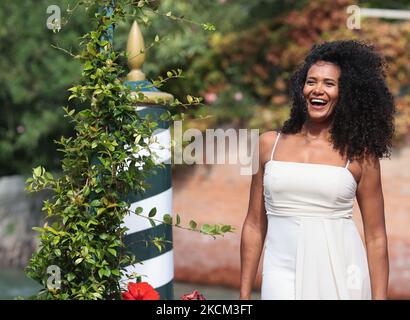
<point>136,58</point>
<point>136,53</point>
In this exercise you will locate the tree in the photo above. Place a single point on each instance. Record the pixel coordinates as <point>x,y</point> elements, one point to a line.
<point>33,83</point>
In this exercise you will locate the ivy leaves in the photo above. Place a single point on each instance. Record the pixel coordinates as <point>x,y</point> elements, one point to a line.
<point>207,229</point>
<point>85,237</point>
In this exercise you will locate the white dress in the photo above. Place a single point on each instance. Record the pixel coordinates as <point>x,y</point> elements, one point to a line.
<point>313,249</point>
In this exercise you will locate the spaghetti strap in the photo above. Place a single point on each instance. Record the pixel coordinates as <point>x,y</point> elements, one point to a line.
<point>274,146</point>
<point>348,161</point>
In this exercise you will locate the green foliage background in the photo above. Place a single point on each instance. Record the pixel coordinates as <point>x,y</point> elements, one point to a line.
<point>34,77</point>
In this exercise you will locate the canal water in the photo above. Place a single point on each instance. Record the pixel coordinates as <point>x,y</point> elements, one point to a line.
<point>14,283</point>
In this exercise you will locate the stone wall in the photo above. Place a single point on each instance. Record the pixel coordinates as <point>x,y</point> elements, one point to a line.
<point>19,213</point>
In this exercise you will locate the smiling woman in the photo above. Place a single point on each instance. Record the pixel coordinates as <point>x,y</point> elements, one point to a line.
<point>301,199</point>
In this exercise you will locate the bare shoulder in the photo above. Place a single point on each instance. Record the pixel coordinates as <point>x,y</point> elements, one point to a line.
<point>266,141</point>
<point>266,138</point>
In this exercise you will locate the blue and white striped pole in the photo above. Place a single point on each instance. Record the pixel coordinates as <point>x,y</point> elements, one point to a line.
<point>157,267</point>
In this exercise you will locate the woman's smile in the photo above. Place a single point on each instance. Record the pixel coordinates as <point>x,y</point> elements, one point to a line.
<point>318,104</point>
<point>321,89</point>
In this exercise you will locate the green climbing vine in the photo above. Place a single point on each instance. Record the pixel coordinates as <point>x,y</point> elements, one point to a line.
<point>83,234</point>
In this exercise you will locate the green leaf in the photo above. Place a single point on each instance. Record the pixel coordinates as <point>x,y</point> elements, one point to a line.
<point>103,43</point>
<point>56,240</point>
<point>38,171</point>
<point>78,261</point>
<point>158,245</point>
<point>208,27</point>
<point>103,236</point>
<point>52,230</point>
<point>139,210</point>
<point>206,228</point>
<point>70,277</point>
<point>137,139</point>
<point>167,219</point>
<point>101,210</point>
<point>97,295</point>
<point>95,203</point>
<point>112,251</point>
<point>192,224</point>
<point>86,191</point>
<point>115,272</point>
<point>49,176</point>
<point>152,212</point>
<point>178,220</point>
<point>88,66</point>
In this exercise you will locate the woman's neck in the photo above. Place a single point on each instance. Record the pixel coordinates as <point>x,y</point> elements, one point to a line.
<point>315,131</point>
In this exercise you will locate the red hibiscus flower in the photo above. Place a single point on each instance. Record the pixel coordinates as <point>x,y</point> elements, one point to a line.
<point>194,295</point>
<point>140,291</point>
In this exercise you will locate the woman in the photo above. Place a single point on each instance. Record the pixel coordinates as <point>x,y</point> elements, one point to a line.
<point>301,197</point>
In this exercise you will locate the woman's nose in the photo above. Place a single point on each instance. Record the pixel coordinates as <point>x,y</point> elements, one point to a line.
<point>318,89</point>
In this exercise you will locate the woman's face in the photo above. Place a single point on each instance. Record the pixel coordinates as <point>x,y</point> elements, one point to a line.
<point>321,90</point>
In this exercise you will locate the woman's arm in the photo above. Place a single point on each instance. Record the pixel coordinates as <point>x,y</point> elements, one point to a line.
<point>370,199</point>
<point>255,225</point>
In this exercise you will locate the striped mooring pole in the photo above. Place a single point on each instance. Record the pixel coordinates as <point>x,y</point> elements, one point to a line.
<point>157,267</point>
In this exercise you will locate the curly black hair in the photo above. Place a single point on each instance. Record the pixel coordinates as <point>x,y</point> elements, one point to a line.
<point>363,119</point>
